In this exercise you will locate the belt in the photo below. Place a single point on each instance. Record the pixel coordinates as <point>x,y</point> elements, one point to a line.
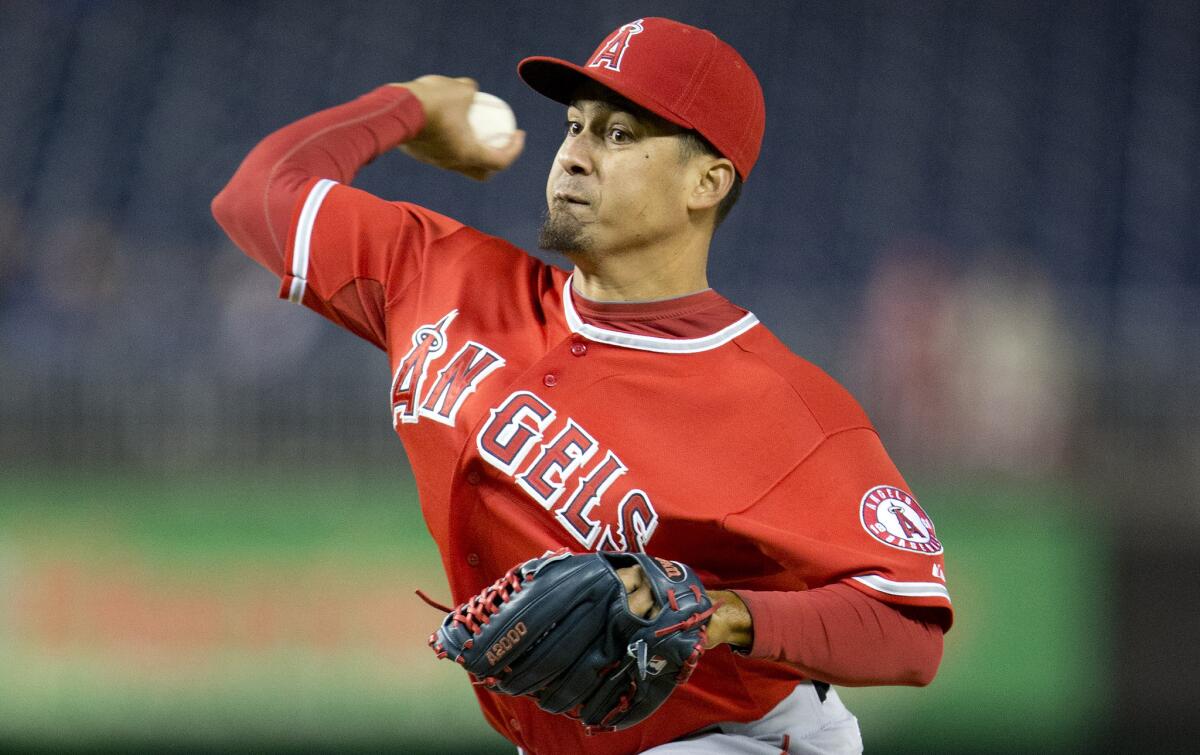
<point>822,689</point>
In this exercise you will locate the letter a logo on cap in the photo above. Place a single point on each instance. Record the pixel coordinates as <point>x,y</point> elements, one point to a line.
<point>610,53</point>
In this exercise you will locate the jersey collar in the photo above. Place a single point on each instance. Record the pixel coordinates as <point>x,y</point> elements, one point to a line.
<point>660,344</point>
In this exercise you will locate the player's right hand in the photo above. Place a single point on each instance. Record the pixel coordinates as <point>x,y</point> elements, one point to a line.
<point>446,141</point>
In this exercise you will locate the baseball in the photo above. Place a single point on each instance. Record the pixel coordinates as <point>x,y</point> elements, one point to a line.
<point>491,120</point>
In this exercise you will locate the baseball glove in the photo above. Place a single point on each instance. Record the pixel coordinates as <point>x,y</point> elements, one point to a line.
<point>559,629</point>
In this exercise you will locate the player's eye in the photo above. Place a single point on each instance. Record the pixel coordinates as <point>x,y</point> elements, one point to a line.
<point>620,135</point>
<point>574,128</point>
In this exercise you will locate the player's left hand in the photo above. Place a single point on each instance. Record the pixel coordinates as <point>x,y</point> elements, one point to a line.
<point>640,596</point>
<point>731,623</point>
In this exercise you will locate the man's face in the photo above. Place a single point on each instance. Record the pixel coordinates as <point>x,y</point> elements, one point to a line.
<point>618,181</point>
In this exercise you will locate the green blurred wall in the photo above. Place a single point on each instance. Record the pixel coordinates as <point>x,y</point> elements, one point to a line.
<point>213,612</point>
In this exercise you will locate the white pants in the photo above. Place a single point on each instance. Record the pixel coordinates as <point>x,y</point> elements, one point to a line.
<point>799,725</point>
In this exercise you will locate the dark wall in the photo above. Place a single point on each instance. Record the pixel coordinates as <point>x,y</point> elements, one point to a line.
<point>1068,129</point>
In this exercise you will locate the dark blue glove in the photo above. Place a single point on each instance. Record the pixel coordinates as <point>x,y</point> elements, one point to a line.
<point>559,629</point>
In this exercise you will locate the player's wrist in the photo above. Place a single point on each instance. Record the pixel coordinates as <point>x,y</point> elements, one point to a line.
<point>420,92</point>
<point>731,623</point>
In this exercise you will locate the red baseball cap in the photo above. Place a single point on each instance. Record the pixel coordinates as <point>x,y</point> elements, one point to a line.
<point>683,74</point>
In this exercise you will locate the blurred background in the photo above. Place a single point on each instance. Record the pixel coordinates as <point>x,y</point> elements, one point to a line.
<point>981,217</point>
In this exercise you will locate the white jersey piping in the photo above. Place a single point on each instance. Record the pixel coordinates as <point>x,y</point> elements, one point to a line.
<point>904,589</point>
<point>302,246</point>
<point>652,343</point>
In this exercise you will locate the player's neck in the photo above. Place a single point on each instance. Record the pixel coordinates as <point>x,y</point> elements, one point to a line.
<point>643,275</point>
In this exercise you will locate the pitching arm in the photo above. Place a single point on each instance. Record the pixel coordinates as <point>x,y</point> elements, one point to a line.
<point>428,116</point>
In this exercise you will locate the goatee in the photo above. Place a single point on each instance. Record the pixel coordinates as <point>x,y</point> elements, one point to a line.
<point>562,232</point>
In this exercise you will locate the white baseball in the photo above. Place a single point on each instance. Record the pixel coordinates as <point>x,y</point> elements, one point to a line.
<point>491,120</point>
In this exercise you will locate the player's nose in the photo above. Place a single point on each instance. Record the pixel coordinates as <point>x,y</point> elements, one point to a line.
<point>574,156</point>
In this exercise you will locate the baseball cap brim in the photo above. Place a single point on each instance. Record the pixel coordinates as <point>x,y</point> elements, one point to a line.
<point>560,80</point>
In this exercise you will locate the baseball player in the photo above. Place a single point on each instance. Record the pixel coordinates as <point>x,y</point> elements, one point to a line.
<point>622,406</point>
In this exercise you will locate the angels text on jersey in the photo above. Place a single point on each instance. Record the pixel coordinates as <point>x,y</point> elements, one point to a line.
<point>511,441</point>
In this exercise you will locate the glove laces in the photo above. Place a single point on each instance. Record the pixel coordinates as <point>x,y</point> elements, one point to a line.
<point>478,611</point>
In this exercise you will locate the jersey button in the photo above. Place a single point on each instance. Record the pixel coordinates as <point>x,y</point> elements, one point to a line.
<point>514,724</point>
<point>550,380</point>
<point>473,477</point>
<point>473,559</point>
<point>579,348</point>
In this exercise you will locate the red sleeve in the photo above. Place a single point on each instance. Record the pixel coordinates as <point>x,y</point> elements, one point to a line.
<point>256,207</point>
<point>844,514</point>
<point>839,635</point>
<point>339,251</point>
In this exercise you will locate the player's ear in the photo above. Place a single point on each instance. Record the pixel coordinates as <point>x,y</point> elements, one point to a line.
<point>714,179</point>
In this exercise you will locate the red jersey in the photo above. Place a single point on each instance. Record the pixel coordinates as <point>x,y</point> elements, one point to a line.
<point>532,423</point>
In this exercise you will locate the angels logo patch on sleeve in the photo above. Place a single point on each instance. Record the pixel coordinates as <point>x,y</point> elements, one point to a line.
<point>893,517</point>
